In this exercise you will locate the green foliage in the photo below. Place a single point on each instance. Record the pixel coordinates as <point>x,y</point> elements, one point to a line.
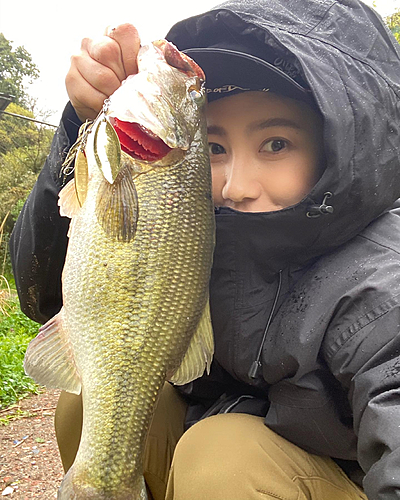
<point>22,155</point>
<point>16,132</point>
<point>393,23</point>
<point>23,148</point>
<point>23,144</point>
<point>25,154</point>
<point>16,331</point>
<point>14,412</point>
<point>16,66</point>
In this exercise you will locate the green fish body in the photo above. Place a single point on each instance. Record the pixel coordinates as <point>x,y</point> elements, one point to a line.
<point>135,281</point>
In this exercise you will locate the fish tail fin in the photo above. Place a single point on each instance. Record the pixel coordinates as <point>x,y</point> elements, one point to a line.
<point>66,489</point>
<point>143,492</point>
<point>49,359</point>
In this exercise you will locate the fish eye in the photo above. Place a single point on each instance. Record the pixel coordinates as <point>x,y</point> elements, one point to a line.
<point>197,97</point>
<point>195,92</point>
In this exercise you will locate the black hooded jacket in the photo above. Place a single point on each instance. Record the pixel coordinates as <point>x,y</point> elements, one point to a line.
<point>305,301</point>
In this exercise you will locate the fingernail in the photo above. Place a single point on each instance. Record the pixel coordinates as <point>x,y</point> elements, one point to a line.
<point>110,29</point>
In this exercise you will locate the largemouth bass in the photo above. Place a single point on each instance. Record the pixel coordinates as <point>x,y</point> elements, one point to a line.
<point>135,282</point>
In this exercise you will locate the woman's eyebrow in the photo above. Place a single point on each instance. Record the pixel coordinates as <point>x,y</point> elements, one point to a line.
<point>273,122</point>
<point>216,130</point>
<point>259,125</point>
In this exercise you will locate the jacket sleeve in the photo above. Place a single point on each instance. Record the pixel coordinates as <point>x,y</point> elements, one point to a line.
<point>367,361</point>
<point>38,242</point>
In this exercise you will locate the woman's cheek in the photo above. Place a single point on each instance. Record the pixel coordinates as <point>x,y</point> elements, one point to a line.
<point>217,184</point>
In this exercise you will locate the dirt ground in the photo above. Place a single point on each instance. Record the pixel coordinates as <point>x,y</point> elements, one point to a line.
<point>30,466</point>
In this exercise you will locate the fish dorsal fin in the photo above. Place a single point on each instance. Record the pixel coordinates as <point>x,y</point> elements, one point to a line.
<point>117,207</point>
<point>199,355</point>
<point>68,200</point>
<point>49,359</point>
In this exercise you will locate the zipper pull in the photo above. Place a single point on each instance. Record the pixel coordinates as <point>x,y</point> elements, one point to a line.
<point>254,369</point>
<point>317,210</point>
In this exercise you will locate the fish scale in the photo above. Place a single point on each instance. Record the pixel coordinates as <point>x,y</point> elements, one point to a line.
<point>144,303</point>
<point>140,294</point>
<point>135,303</point>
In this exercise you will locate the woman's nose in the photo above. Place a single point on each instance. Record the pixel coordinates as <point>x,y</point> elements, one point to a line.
<point>240,183</point>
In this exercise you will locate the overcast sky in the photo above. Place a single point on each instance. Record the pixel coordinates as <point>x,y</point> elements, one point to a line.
<point>51,31</point>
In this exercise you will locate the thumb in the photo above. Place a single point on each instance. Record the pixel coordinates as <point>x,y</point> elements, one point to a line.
<point>128,39</point>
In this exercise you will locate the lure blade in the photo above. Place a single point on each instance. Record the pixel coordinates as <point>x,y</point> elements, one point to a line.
<point>107,150</point>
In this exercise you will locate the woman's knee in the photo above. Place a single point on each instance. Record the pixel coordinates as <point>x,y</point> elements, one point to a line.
<point>217,458</point>
<point>236,456</point>
<point>218,442</point>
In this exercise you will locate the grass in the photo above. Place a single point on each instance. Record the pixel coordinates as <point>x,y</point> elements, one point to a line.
<point>5,294</point>
<point>12,413</point>
<point>16,331</point>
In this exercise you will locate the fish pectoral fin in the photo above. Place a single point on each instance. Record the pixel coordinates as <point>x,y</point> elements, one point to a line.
<point>49,359</point>
<point>68,200</point>
<point>199,355</point>
<point>117,207</point>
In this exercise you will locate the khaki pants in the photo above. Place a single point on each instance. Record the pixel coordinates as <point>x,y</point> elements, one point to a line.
<point>233,457</point>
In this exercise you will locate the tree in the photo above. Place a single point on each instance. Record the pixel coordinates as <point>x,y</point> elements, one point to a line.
<point>23,144</point>
<point>23,148</point>
<point>393,23</point>
<point>15,132</point>
<point>16,67</point>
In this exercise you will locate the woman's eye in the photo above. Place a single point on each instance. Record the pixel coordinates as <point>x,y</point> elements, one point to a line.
<point>274,146</point>
<point>215,149</point>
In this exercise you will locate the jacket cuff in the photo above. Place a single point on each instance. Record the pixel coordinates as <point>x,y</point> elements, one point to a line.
<point>71,123</point>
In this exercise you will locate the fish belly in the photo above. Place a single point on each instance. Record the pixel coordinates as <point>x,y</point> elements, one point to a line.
<point>131,310</point>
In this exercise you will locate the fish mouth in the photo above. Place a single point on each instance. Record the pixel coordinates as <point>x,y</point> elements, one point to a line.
<point>139,142</point>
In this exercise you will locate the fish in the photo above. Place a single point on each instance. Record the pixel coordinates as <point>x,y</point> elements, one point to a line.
<point>135,281</point>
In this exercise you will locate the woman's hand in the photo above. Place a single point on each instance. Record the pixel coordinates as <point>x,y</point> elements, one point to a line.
<point>100,67</point>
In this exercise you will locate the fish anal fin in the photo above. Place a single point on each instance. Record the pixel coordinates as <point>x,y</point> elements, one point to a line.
<point>68,200</point>
<point>117,206</point>
<point>199,355</point>
<point>49,359</point>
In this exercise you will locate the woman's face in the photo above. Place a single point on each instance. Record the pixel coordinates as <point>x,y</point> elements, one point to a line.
<point>265,151</point>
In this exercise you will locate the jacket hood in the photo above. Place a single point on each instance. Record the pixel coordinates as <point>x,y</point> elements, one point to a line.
<point>346,56</point>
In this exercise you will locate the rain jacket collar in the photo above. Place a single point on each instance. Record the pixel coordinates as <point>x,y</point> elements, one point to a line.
<point>343,52</point>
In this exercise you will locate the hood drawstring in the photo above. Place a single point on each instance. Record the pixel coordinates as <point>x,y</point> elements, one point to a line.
<point>256,365</point>
<point>317,210</point>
